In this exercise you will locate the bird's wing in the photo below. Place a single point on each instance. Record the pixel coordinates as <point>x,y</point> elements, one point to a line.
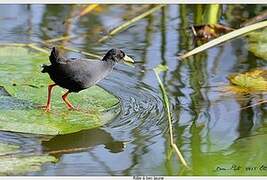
<point>85,72</point>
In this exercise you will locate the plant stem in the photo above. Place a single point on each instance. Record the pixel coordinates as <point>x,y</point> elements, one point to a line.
<point>34,46</point>
<point>198,14</point>
<point>166,103</point>
<point>88,9</point>
<point>81,52</point>
<point>31,45</point>
<point>128,23</point>
<point>61,38</point>
<point>211,15</point>
<point>225,38</point>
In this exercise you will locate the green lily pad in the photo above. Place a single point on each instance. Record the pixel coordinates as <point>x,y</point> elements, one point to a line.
<point>258,43</point>
<point>21,77</point>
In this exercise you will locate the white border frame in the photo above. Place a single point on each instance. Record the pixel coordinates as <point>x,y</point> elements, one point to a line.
<point>132,2</point>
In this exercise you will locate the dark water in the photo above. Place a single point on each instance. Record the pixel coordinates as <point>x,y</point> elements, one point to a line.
<point>210,130</point>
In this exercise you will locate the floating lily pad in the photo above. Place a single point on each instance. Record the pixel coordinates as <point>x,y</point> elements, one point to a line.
<point>258,43</point>
<point>21,77</point>
<point>253,81</point>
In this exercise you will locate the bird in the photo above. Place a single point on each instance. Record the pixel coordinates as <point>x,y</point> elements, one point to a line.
<point>76,74</point>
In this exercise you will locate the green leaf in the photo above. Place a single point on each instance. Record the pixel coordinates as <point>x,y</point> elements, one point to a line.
<point>160,68</point>
<point>21,77</point>
<point>250,81</point>
<point>8,148</point>
<point>253,80</point>
<point>13,163</point>
<point>22,165</point>
<point>258,44</point>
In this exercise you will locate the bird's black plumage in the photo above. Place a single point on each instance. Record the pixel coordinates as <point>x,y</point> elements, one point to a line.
<point>78,74</point>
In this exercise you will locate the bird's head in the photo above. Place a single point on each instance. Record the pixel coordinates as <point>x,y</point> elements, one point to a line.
<point>117,55</point>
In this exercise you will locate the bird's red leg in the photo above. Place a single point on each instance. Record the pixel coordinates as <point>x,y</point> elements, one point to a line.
<point>69,105</point>
<point>48,104</point>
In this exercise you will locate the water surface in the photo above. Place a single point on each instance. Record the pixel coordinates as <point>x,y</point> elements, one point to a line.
<point>213,134</point>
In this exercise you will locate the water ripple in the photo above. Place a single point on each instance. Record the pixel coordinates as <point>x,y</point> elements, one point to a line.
<point>142,106</point>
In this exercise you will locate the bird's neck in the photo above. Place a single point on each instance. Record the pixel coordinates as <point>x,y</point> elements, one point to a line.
<point>109,62</point>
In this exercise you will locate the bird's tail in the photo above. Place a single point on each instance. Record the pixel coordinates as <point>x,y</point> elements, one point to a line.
<point>54,56</point>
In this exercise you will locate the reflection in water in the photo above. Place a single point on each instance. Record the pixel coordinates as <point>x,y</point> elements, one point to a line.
<point>209,127</point>
<point>80,141</point>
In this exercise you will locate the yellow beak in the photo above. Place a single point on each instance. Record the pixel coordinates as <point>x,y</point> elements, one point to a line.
<point>128,59</point>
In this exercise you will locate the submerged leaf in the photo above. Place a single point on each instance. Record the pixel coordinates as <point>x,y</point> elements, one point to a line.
<point>161,68</point>
<point>249,82</point>
<point>258,43</point>
<point>8,148</point>
<point>21,77</point>
<point>13,163</point>
<point>23,165</point>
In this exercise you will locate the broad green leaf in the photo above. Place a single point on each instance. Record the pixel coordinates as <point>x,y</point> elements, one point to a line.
<point>21,77</point>
<point>258,43</point>
<point>13,163</point>
<point>21,165</point>
<point>249,82</point>
<point>8,148</point>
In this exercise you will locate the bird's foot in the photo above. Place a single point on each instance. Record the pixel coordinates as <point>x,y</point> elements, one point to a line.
<point>71,108</point>
<point>44,107</point>
<point>47,109</point>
